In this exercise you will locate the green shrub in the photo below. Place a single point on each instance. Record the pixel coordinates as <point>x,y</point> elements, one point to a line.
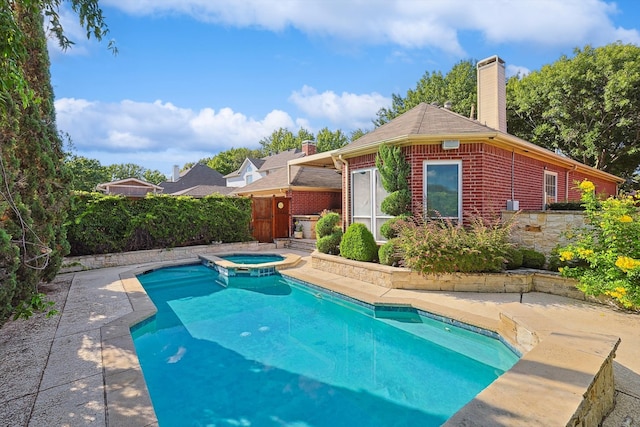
<point>396,203</point>
<point>388,253</point>
<point>605,257</point>
<point>440,246</point>
<point>330,244</point>
<point>566,206</point>
<point>327,224</point>
<point>390,228</point>
<point>105,224</point>
<point>514,257</point>
<point>532,259</point>
<point>359,244</point>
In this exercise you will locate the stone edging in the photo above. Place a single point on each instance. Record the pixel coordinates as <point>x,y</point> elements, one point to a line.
<point>516,281</point>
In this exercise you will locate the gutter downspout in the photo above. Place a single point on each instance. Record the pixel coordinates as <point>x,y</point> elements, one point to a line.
<point>345,210</point>
<point>513,161</point>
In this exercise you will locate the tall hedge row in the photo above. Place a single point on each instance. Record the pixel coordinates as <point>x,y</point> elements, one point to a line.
<point>101,224</point>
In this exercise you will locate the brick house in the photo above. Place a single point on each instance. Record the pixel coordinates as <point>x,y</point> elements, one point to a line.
<point>292,193</point>
<point>461,166</point>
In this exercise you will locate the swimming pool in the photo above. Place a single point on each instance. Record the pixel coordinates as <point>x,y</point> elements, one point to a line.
<point>270,351</point>
<point>252,258</point>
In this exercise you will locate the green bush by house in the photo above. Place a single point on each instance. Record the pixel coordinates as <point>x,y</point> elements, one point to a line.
<point>441,246</point>
<point>104,224</point>
<point>330,244</point>
<point>329,234</point>
<point>513,257</point>
<point>327,224</point>
<point>533,259</point>
<point>359,244</point>
<point>388,254</point>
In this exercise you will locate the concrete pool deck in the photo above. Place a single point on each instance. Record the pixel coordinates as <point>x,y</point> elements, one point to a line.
<point>78,368</point>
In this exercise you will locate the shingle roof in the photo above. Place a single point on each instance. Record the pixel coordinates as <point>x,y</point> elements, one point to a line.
<point>198,175</point>
<point>300,177</point>
<point>423,119</point>
<point>203,190</point>
<point>277,161</point>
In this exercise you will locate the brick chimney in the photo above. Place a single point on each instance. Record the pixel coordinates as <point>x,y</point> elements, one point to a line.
<point>308,148</point>
<point>492,93</point>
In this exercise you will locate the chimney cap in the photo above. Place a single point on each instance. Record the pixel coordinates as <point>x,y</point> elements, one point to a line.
<point>489,60</point>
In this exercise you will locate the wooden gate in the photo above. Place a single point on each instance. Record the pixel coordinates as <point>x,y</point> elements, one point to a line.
<point>270,218</point>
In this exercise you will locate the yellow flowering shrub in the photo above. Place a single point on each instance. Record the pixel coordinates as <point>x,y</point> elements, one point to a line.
<point>605,257</point>
<point>587,186</point>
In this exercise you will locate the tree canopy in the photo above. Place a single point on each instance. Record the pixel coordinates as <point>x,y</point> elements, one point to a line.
<point>230,160</point>
<point>327,140</point>
<point>586,106</point>
<point>283,139</point>
<point>458,87</point>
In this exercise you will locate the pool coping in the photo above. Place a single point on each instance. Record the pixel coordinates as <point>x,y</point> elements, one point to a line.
<point>562,378</point>
<point>290,260</point>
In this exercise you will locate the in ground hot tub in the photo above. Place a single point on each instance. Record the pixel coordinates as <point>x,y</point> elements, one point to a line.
<point>249,264</point>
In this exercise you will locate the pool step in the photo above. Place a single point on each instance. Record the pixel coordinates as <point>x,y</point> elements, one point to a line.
<point>399,312</point>
<point>306,245</point>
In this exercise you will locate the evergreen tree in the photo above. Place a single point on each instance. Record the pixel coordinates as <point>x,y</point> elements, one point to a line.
<point>33,180</point>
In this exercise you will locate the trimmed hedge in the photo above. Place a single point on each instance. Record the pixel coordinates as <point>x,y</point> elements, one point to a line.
<point>359,244</point>
<point>101,224</point>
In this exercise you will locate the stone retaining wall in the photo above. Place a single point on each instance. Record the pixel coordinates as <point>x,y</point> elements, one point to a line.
<point>88,262</point>
<point>543,230</point>
<point>523,280</point>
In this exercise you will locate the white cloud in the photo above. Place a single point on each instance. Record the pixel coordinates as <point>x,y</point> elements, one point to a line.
<point>411,23</point>
<point>514,70</point>
<point>347,110</point>
<point>159,133</point>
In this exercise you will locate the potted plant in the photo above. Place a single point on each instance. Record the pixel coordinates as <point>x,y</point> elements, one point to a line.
<point>297,230</point>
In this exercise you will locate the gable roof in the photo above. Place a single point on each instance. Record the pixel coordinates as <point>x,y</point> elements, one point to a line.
<point>256,162</point>
<point>427,123</point>
<point>277,161</point>
<point>127,182</point>
<point>423,119</point>
<point>301,178</point>
<point>199,174</point>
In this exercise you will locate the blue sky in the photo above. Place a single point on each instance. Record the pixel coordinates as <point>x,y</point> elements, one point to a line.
<point>196,77</point>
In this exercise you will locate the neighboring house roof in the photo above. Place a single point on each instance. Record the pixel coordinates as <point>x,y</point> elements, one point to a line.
<point>132,187</point>
<point>198,175</point>
<point>277,161</point>
<point>428,123</point>
<point>203,190</point>
<point>256,162</point>
<point>302,178</point>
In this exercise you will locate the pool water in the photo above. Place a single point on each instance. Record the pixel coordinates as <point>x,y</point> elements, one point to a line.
<point>269,351</point>
<point>252,258</point>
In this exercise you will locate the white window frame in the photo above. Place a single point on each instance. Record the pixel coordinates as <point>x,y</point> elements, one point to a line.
<point>545,194</point>
<point>375,219</point>
<point>425,165</point>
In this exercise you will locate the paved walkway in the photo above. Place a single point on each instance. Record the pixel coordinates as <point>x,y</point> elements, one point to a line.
<point>52,371</point>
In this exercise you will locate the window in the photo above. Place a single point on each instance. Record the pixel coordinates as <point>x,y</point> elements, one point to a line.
<point>367,195</point>
<point>248,179</point>
<point>550,188</point>
<point>443,189</point>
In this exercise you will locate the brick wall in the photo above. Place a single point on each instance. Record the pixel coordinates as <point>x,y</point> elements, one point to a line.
<point>486,177</point>
<point>314,202</point>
